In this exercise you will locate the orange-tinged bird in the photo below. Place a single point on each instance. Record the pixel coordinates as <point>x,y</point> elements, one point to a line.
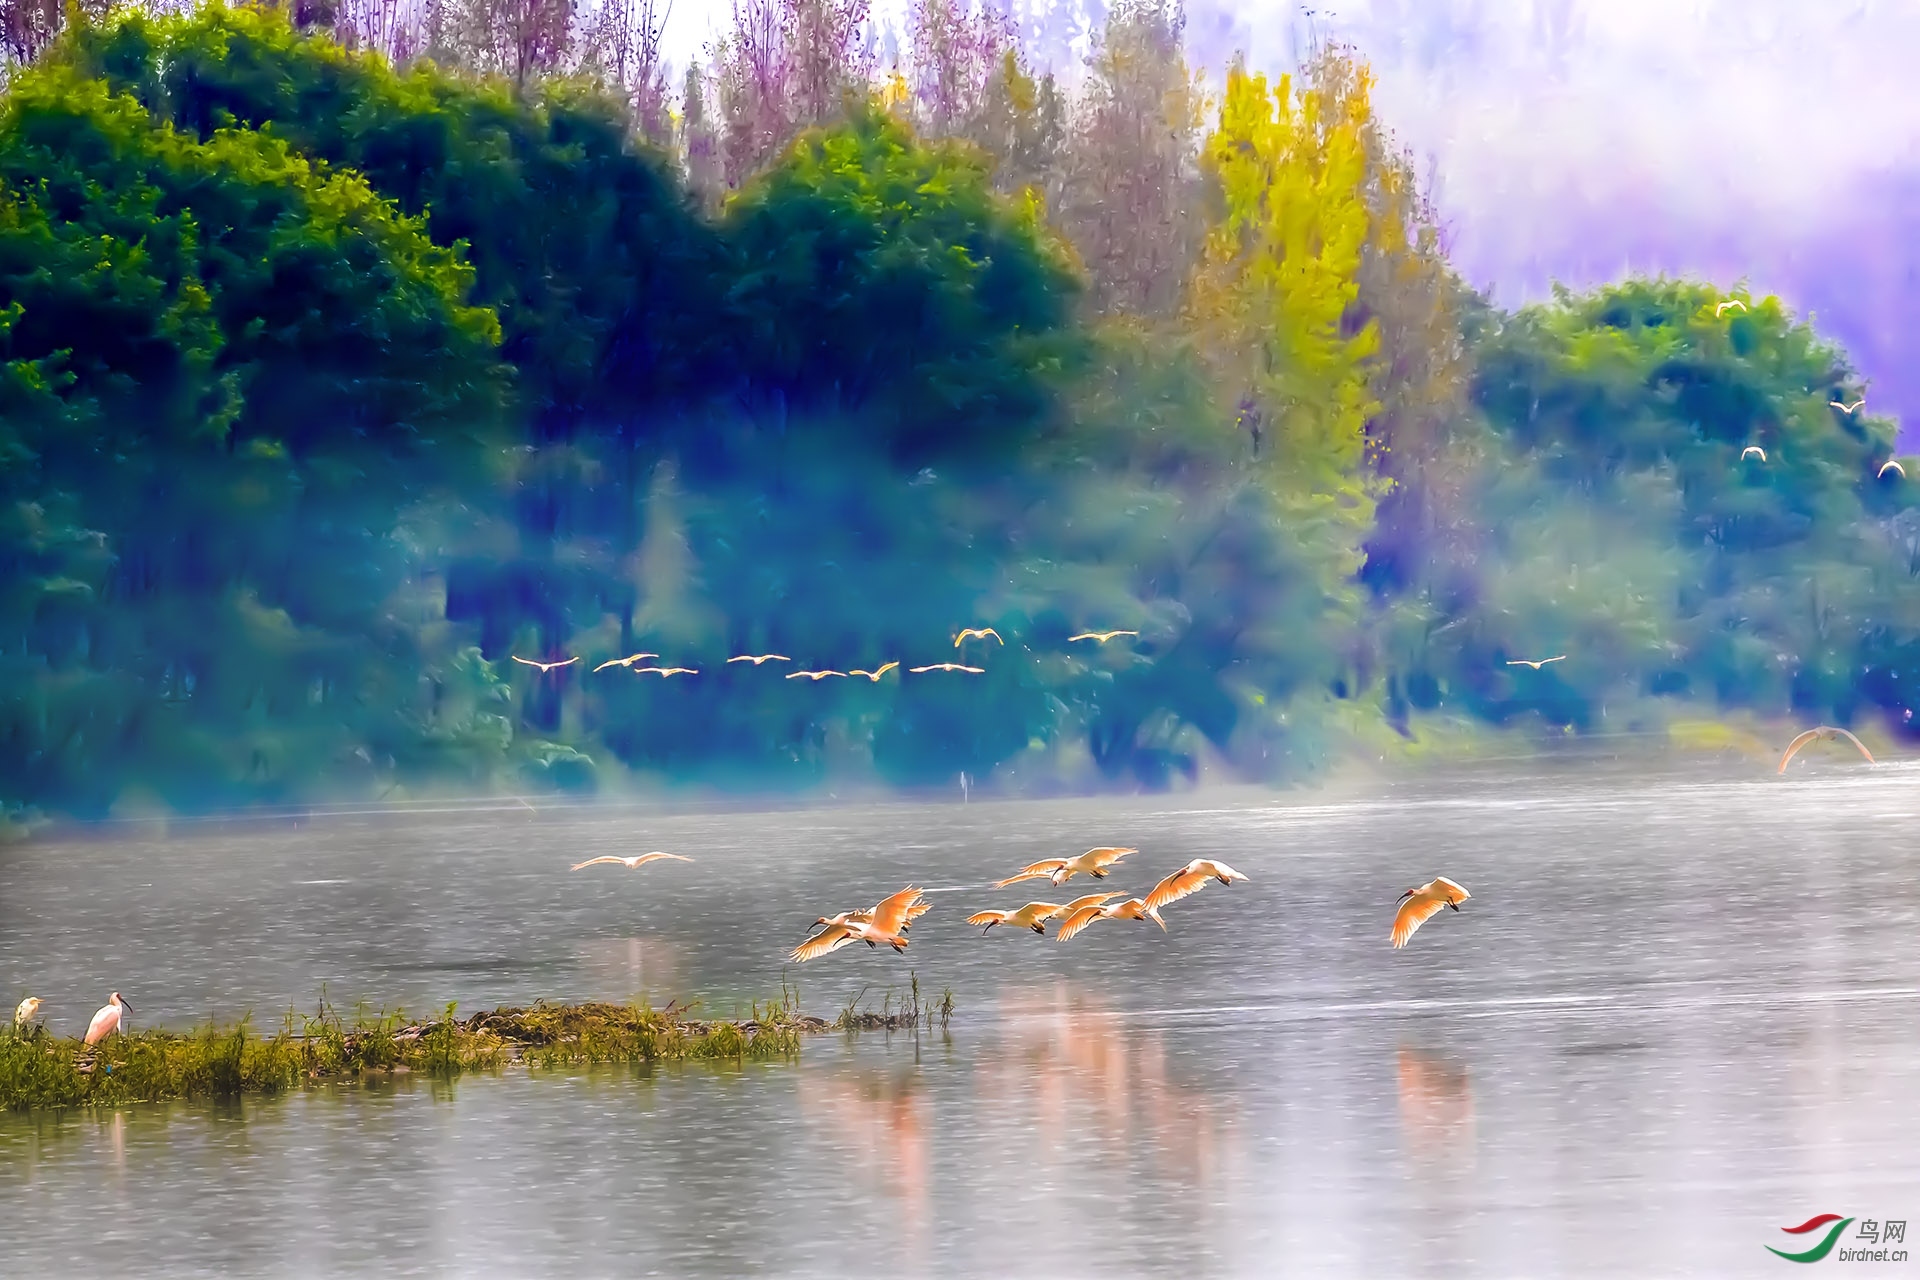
<point>888,922</point>
<point>1093,862</point>
<point>1190,880</point>
<point>874,675</point>
<point>1101,636</point>
<point>1827,732</point>
<point>815,676</point>
<point>1417,906</point>
<point>980,632</point>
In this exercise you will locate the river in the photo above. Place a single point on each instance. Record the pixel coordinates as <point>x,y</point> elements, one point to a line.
<point>1680,1013</point>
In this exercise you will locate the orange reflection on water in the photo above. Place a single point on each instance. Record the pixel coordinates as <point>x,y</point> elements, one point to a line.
<point>1070,1071</point>
<point>1436,1105</point>
<point>878,1116</point>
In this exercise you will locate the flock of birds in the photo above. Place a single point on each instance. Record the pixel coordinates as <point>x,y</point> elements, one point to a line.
<point>887,922</point>
<point>1843,406</point>
<point>631,661</point>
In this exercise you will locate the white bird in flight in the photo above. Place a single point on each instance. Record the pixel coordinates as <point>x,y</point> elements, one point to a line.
<point>816,676</point>
<point>107,1021</point>
<point>1753,448</point>
<point>1732,302</point>
<point>1034,915</point>
<point>627,661</point>
<point>634,863</point>
<point>544,666</point>
<point>1891,465</point>
<point>663,672</point>
<point>1101,636</point>
<point>971,632</point>
<point>1828,732</point>
<point>874,675</point>
<point>1848,408</point>
<point>1528,662</point>
<point>1131,909</point>
<point>1190,880</point>
<point>948,666</point>
<point>1093,862</point>
<point>757,658</point>
<point>1417,906</point>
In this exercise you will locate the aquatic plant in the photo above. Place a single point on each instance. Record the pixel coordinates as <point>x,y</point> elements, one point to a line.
<point>39,1071</point>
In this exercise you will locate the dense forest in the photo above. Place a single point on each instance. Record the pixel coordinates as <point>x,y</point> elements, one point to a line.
<point>351,352</point>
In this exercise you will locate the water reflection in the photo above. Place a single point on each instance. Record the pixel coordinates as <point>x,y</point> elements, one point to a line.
<point>644,967</point>
<point>876,1121</point>
<point>1068,1068</point>
<point>1436,1108</point>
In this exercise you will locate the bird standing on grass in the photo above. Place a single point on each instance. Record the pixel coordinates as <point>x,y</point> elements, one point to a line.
<point>107,1021</point>
<point>23,1017</point>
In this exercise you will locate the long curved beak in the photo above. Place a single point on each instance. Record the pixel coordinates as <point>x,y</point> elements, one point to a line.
<point>125,1003</point>
<point>1403,897</point>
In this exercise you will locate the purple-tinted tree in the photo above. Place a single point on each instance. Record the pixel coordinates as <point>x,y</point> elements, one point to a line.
<point>786,65</point>
<point>956,47</point>
<point>1130,198</point>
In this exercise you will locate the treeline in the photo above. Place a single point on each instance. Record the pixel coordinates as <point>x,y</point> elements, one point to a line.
<point>338,370</point>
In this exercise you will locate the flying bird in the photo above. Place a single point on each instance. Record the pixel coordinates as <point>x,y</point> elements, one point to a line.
<point>1525,662</point>
<point>107,1021</point>
<point>1093,862</point>
<point>1848,408</point>
<point>886,922</point>
<point>1891,465</point>
<point>1828,732</point>
<point>627,661</point>
<point>757,658</point>
<point>971,632</point>
<point>632,864</point>
<point>544,666</point>
<point>29,1010</point>
<point>874,675</point>
<point>1101,636</point>
<point>948,666</point>
<point>1417,906</point>
<point>664,672</point>
<point>1734,302</point>
<point>1189,880</point>
<point>1074,919</point>
<point>1032,916</point>
<point>815,676</point>
<point>1753,448</point>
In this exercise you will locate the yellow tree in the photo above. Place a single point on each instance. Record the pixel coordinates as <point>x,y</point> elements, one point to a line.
<point>1277,289</point>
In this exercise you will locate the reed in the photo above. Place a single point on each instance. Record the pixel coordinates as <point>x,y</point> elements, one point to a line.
<point>40,1071</point>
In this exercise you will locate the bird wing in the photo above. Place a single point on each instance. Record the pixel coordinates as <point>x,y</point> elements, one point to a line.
<point>656,856</point>
<point>1856,742</point>
<point>591,862</point>
<point>1182,883</point>
<point>918,909</point>
<point>1413,913</point>
<point>1458,892</point>
<point>1793,748</point>
<point>831,938</point>
<point>1076,921</point>
<point>526,662</point>
<point>617,662</point>
<point>569,662</point>
<point>1105,856</point>
<point>989,917</point>
<point>892,911</point>
<point>1033,871</point>
<point>1088,900</point>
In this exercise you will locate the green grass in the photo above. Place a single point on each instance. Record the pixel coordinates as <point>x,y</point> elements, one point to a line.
<point>39,1071</point>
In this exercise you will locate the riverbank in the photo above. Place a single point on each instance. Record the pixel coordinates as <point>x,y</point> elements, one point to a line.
<point>39,1071</point>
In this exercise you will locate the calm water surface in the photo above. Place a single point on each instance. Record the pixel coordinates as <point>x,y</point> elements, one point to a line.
<point>1680,1012</point>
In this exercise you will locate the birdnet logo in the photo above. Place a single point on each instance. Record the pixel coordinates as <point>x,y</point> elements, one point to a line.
<point>1871,1240</point>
